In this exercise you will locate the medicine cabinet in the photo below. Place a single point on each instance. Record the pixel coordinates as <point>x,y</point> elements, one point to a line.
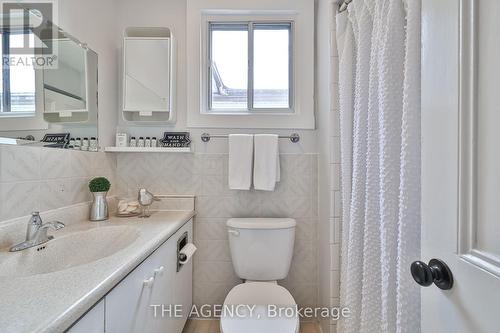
<point>148,75</point>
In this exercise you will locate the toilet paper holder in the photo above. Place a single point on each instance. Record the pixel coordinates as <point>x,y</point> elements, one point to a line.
<point>181,242</point>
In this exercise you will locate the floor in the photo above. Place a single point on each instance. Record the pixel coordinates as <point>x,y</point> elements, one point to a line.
<point>212,326</point>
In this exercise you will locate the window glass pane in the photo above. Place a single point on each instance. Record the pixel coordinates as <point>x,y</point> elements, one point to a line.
<point>22,78</point>
<point>229,70</point>
<point>271,65</point>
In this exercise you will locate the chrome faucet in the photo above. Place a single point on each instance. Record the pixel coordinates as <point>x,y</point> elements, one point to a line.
<point>36,233</point>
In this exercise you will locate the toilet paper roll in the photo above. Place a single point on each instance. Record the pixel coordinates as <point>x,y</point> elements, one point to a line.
<point>186,253</point>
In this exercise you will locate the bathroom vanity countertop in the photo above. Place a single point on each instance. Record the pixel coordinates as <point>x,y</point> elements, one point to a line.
<point>52,302</point>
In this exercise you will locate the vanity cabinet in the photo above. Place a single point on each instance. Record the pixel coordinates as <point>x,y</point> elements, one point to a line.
<point>156,281</point>
<point>91,322</point>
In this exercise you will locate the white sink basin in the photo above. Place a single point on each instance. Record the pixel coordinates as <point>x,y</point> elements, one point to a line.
<point>67,251</point>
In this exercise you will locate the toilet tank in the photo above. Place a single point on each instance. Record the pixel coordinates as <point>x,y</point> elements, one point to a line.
<point>261,248</point>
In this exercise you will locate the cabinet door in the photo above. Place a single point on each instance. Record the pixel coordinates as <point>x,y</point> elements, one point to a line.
<point>173,290</point>
<point>146,74</point>
<point>91,322</point>
<point>128,307</point>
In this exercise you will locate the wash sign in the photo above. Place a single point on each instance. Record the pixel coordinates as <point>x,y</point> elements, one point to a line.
<point>176,139</point>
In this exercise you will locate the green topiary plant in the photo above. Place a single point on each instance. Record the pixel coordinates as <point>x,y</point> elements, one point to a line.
<point>99,184</point>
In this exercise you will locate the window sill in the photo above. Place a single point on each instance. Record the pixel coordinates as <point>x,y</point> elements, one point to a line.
<point>261,112</point>
<point>252,120</point>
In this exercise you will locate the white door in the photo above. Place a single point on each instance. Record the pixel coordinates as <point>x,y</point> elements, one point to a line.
<point>461,162</point>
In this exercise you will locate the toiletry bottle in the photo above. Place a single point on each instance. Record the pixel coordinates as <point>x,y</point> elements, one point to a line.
<point>147,143</point>
<point>78,144</point>
<point>140,143</point>
<point>93,144</point>
<point>85,144</point>
<point>133,142</point>
<point>71,143</point>
<point>121,139</point>
<point>154,143</point>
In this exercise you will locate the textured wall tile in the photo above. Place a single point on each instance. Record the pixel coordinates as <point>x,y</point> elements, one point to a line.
<point>213,185</point>
<point>210,229</point>
<point>18,163</point>
<point>57,178</point>
<point>19,199</point>
<point>212,206</point>
<point>54,194</point>
<point>306,229</point>
<point>55,163</point>
<point>210,293</point>
<point>206,176</point>
<point>215,272</point>
<point>212,250</point>
<point>80,163</point>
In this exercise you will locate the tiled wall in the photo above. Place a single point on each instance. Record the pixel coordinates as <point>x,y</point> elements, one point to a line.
<point>335,203</point>
<point>206,176</point>
<point>34,178</point>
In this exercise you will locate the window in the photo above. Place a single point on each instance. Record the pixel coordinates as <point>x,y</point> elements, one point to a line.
<point>17,84</point>
<point>250,67</point>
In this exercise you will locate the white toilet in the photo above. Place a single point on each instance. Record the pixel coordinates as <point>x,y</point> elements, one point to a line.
<point>261,251</point>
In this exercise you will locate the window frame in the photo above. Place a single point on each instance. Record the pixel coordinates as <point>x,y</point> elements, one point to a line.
<point>6,107</point>
<point>302,13</point>
<point>250,28</point>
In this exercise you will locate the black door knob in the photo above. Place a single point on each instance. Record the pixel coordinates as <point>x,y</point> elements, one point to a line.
<point>436,272</point>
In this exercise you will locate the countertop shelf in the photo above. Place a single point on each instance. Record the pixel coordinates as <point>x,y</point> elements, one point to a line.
<point>148,149</point>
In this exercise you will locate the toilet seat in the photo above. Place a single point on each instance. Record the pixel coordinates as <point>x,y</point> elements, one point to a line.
<point>262,320</point>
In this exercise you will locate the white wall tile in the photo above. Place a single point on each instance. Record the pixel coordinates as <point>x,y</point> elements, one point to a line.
<point>19,163</point>
<point>205,175</point>
<point>45,179</point>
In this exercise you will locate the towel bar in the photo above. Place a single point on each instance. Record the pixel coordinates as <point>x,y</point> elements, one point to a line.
<point>205,137</point>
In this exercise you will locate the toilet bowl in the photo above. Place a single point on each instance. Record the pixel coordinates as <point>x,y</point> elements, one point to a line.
<point>264,307</point>
<point>261,252</point>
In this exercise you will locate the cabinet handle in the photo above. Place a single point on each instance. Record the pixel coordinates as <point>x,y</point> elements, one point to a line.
<point>159,271</point>
<point>148,282</point>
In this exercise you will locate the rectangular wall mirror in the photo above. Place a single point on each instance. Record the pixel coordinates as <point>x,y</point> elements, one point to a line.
<point>48,86</point>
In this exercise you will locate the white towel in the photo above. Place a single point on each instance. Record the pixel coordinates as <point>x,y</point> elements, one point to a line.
<point>266,170</point>
<point>240,161</point>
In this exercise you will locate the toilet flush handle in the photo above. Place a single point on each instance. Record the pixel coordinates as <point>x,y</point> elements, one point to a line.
<point>233,232</point>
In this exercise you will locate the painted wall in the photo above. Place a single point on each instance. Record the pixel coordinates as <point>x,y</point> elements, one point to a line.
<point>172,14</point>
<point>94,22</point>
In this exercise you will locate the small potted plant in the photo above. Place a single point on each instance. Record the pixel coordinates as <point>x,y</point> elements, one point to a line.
<point>99,187</point>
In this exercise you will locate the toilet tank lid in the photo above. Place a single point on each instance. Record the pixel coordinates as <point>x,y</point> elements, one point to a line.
<point>261,223</point>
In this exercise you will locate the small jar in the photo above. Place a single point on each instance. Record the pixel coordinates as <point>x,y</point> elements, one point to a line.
<point>140,143</point>
<point>85,144</point>
<point>93,144</point>
<point>154,143</point>
<point>133,142</point>
<point>71,143</point>
<point>147,142</point>
<point>78,144</point>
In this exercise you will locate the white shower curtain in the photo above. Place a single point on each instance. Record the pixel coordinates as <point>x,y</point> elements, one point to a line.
<point>379,95</point>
